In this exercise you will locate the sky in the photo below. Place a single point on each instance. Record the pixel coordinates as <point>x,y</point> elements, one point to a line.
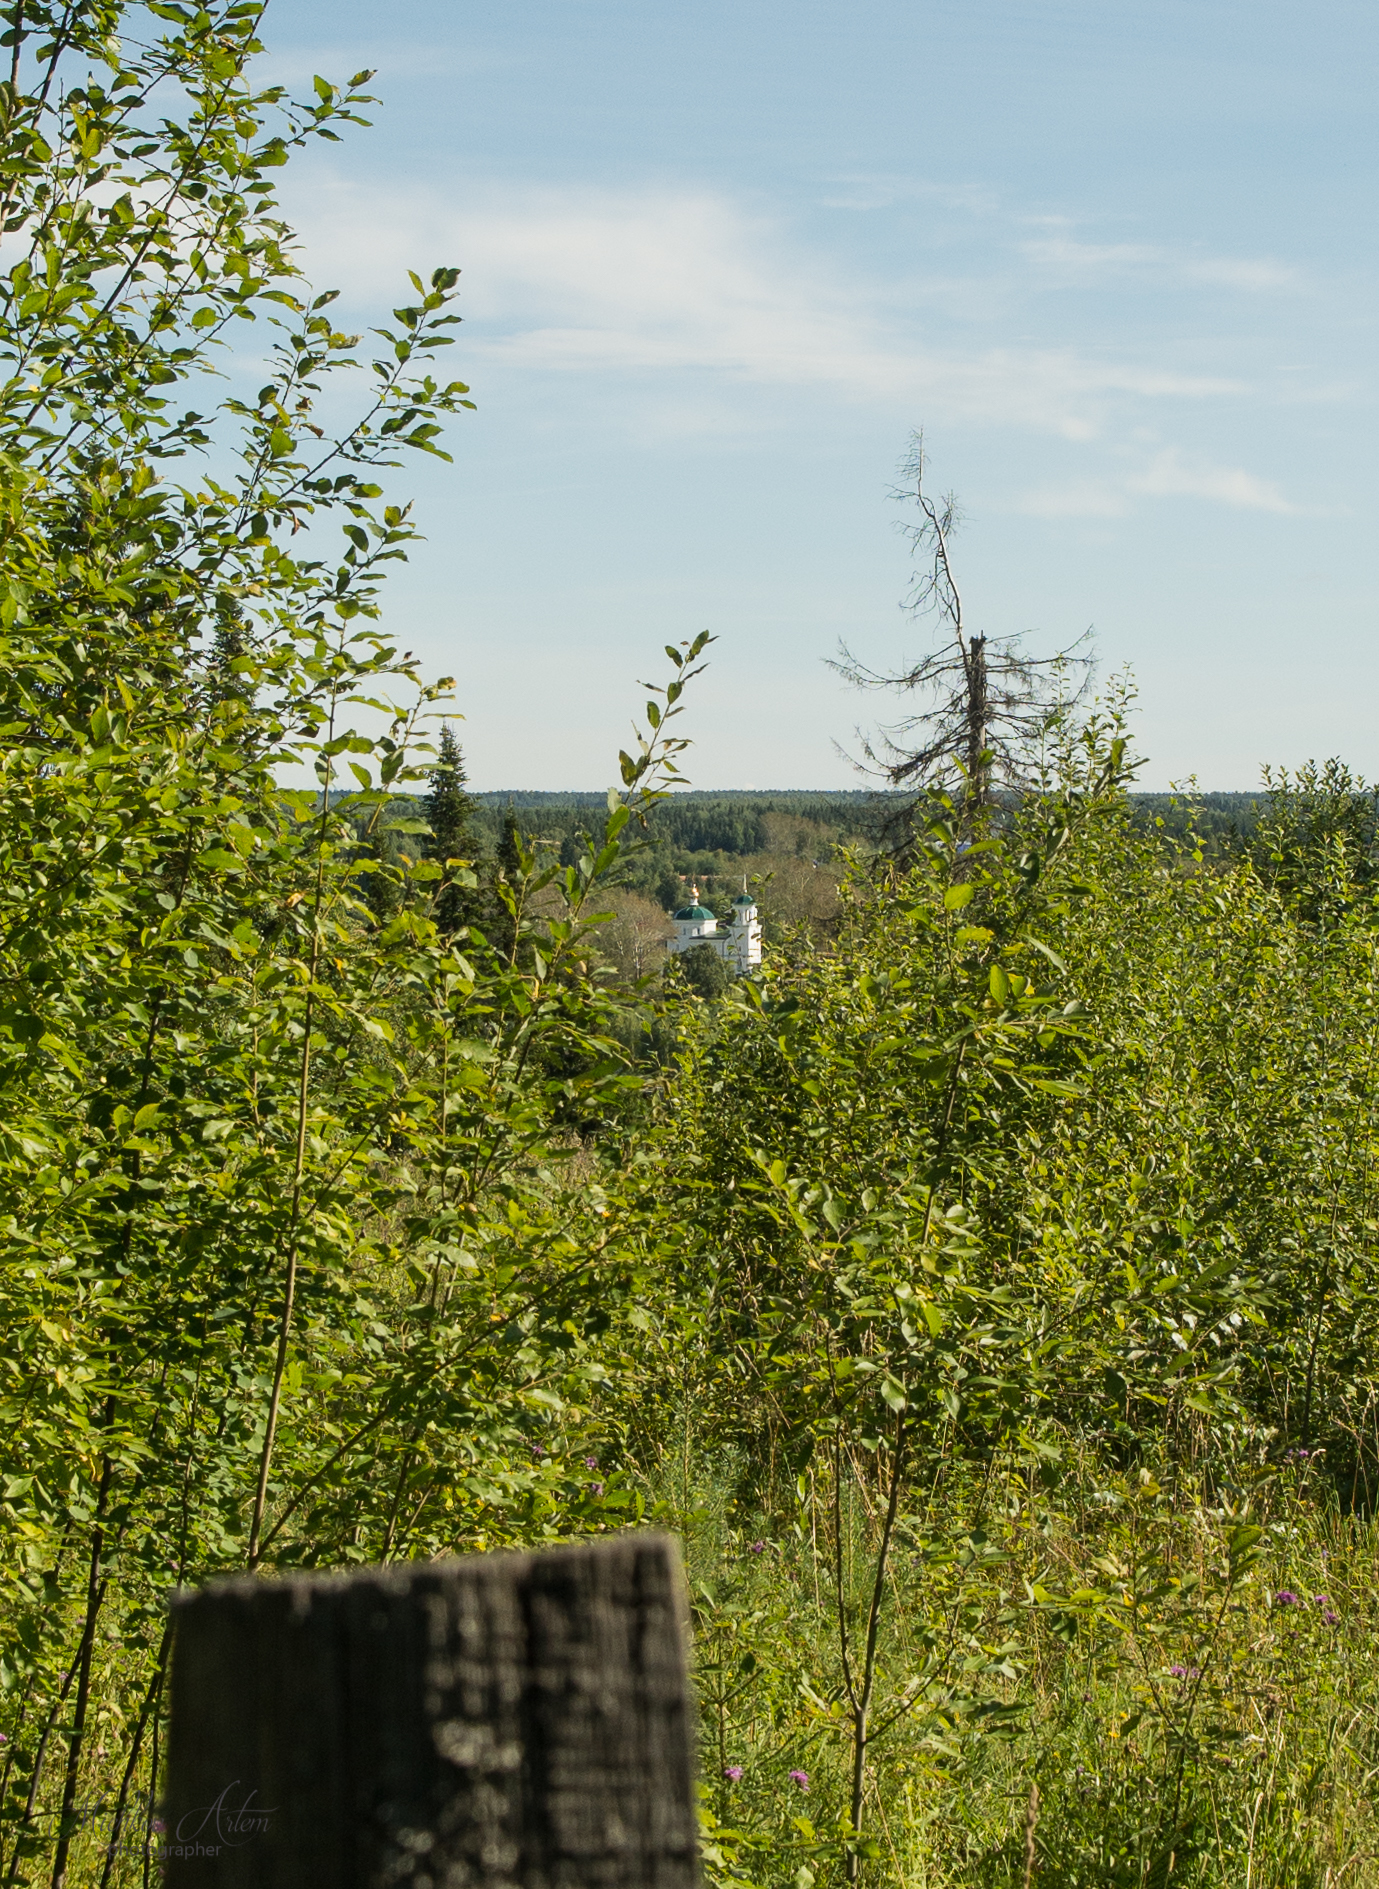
<point>1115,258</point>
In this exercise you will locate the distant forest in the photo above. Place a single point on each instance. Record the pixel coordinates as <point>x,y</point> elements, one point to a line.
<point>787,846</point>
<point>691,817</point>
<point>711,838</point>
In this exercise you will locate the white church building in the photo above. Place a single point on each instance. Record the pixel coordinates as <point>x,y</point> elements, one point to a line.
<point>739,945</point>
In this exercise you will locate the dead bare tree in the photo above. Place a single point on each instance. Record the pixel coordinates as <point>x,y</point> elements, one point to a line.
<point>984,703</point>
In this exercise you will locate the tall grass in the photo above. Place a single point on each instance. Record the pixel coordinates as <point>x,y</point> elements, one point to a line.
<point>1184,1716</point>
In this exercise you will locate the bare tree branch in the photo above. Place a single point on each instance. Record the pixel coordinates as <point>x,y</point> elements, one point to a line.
<point>985,705</point>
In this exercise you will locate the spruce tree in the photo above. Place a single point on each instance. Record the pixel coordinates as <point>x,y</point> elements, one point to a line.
<point>510,845</point>
<point>985,707</point>
<point>497,920</point>
<point>449,811</point>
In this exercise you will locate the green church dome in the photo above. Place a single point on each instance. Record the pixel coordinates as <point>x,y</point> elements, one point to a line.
<point>693,911</point>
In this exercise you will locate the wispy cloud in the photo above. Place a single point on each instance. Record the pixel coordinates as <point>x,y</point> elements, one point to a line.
<point>1169,476</point>
<point>872,191</point>
<point>658,283</point>
<point>1085,262</point>
<point>1166,475</point>
<point>392,56</point>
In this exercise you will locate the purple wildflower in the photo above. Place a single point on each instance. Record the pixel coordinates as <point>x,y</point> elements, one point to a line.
<point>1322,1600</point>
<point>757,1547</point>
<point>1185,1672</point>
<point>1330,1617</point>
<point>1287,1598</point>
<point>801,1778</point>
<point>732,1772</point>
<point>598,1488</point>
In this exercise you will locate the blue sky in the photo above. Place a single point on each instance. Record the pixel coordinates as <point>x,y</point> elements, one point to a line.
<point>1115,258</point>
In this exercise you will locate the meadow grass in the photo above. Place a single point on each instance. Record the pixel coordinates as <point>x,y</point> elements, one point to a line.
<point>1186,1717</point>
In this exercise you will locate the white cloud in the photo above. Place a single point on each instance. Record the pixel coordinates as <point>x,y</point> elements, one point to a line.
<point>393,61</point>
<point>655,283</point>
<point>1086,261</point>
<point>1061,252</point>
<point>869,191</point>
<point>1253,275</point>
<point>1167,475</point>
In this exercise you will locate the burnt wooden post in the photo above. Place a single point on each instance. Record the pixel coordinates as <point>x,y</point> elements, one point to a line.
<point>506,1721</point>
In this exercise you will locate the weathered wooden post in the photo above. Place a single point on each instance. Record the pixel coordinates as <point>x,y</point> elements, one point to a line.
<point>505,1721</point>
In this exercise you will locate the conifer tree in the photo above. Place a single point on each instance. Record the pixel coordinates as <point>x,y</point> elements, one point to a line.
<point>984,705</point>
<point>496,919</point>
<point>449,811</point>
<point>510,845</point>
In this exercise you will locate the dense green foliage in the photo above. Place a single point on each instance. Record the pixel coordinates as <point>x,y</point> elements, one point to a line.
<point>288,1273</point>
<point>985,1290</point>
<point>1031,1236</point>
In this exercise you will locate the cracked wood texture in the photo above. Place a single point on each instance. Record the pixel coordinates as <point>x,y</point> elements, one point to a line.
<point>504,1721</point>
